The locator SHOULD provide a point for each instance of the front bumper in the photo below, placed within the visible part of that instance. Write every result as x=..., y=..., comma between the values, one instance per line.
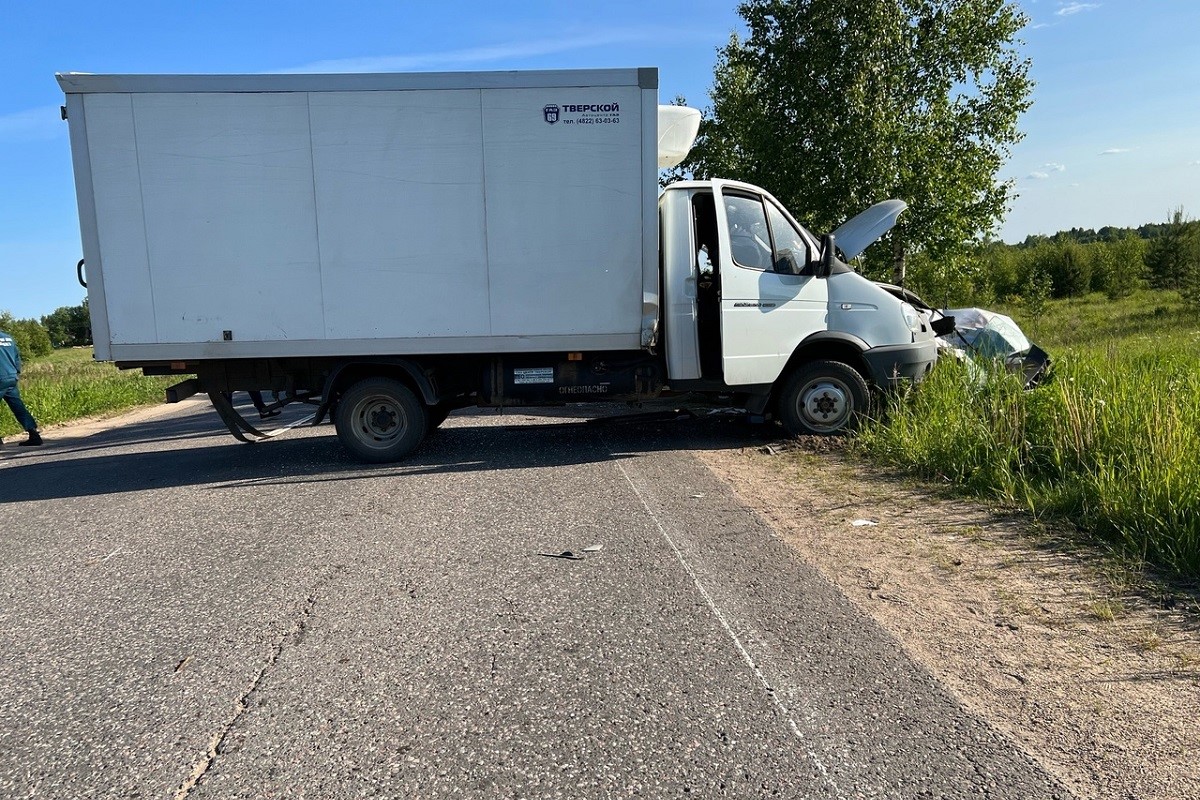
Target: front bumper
x=900, y=363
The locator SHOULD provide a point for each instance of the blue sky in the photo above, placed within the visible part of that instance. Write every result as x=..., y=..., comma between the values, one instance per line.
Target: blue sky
x=1113, y=137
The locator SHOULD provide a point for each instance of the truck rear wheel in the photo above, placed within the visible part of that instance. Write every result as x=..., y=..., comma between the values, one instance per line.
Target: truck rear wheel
x=380, y=420
x=823, y=398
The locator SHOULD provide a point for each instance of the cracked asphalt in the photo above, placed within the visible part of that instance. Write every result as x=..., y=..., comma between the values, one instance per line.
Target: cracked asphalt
x=183, y=616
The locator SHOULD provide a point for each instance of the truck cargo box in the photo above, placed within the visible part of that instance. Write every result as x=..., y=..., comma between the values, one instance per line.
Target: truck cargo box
x=250, y=216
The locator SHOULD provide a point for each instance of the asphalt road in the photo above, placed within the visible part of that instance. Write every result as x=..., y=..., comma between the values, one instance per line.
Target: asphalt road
x=183, y=616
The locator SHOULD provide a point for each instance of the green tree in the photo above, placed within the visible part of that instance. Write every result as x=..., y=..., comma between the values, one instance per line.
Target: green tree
x=31, y=338
x=1000, y=266
x=1174, y=257
x=1126, y=265
x=1101, y=256
x=69, y=326
x=1037, y=294
x=833, y=105
x=1038, y=265
x=1070, y=269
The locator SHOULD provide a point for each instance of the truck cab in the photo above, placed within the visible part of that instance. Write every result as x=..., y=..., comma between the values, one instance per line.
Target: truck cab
x=755, y=303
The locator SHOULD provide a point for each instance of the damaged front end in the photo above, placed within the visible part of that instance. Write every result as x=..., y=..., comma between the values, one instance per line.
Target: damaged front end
x=980, y=335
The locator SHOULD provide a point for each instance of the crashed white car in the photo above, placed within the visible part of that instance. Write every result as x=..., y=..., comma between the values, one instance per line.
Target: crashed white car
x=977, y=334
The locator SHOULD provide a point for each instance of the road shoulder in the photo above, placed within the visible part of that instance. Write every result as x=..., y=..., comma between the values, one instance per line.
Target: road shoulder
x=1094, y=680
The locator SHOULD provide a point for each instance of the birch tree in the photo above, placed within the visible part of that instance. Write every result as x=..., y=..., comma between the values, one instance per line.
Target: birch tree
x=834, y=105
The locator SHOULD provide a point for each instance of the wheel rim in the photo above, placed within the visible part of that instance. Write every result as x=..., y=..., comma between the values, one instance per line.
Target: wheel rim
x=378, y=421
x=825, y=405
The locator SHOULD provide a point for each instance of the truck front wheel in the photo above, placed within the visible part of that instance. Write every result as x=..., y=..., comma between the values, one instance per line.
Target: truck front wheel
x=380, y=420
x=823, y=398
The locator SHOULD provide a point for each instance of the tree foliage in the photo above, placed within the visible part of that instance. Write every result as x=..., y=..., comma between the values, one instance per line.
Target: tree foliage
x=1108, y=233
x=69, y=326
x=31, y=338
x=1173, y=258
x=1057, y=266
x=1122, y=266
x=834, y=105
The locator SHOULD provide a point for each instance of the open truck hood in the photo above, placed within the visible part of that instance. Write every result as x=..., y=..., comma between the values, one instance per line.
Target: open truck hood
x=864, y=230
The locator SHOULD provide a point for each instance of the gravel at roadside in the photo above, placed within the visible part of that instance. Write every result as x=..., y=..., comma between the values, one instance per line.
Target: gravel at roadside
x=1097, y=679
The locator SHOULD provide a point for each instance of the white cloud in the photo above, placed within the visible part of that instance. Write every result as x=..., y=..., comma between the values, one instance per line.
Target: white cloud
x=1112, y=151
x=33, y=124
x=477, y=55
x=1046, y=170
x=1067, y=9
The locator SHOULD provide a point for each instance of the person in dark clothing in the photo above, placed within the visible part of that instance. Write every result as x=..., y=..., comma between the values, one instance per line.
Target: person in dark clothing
x=10, y=371
x=263, y=411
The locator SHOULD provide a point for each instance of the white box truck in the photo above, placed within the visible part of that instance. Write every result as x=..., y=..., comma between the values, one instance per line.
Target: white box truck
x=390, y=247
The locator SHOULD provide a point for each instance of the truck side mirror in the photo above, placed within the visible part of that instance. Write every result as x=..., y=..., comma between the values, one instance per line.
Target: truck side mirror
x=825, y=266
x=788, y=264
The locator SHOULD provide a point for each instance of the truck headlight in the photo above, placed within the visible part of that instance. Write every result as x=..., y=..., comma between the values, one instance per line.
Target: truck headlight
x=911, y=318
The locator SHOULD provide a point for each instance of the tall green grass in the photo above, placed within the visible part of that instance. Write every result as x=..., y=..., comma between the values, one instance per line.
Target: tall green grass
x=68, y=385
x=1112, y=442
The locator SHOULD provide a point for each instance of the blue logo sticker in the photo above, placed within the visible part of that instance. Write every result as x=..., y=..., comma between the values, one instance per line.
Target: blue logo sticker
x=550, y=113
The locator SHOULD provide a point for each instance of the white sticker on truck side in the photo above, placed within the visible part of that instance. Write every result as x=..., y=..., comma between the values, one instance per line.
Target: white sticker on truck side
x=533, y=375
x=582, y=113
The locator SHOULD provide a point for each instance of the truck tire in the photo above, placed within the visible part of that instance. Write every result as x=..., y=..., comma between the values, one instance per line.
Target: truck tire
x=823, y=398
x=380, y=420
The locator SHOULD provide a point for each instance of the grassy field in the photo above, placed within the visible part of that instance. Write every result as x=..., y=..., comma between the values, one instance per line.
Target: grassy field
x=1112, y=442
x=68, y=384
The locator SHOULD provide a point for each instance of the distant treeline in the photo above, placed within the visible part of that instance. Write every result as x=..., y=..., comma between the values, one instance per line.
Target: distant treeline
x=1109, y=233
x=69, y=326
x=1114, y=261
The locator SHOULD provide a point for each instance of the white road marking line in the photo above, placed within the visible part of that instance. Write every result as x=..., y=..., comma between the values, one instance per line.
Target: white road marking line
x=720, y=615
